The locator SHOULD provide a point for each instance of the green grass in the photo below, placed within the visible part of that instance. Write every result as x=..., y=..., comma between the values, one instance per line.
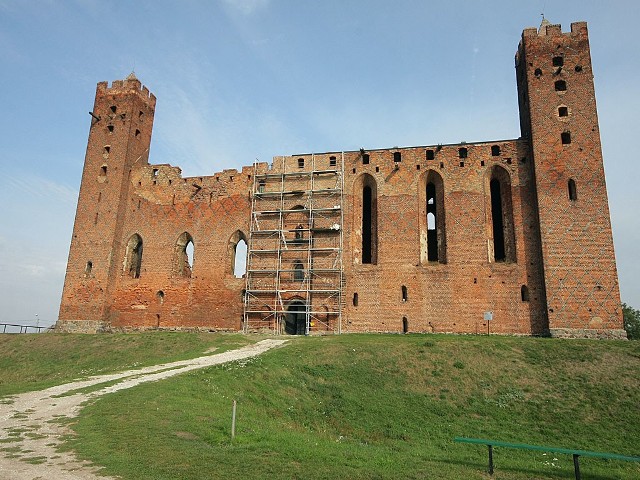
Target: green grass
x=37, y=361
x=378, y=406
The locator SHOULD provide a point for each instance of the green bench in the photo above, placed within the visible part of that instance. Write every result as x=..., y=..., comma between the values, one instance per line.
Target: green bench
x=575, y=453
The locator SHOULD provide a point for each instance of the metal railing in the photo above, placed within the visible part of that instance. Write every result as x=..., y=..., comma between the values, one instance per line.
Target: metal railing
x=23, y=328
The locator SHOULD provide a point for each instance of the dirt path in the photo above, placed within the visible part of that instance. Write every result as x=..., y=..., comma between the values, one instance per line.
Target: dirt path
x=29, y=433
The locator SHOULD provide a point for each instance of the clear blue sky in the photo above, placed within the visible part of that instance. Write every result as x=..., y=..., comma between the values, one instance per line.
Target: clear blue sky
x=238, y=80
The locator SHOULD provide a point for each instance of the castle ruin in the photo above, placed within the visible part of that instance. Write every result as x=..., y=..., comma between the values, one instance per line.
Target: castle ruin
x=507, y=236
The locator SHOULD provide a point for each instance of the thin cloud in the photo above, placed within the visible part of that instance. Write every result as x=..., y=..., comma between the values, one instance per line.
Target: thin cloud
x=247, y=7
x=41, y=187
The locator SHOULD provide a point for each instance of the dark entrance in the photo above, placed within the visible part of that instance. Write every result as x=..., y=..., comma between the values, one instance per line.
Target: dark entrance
x=295, y=319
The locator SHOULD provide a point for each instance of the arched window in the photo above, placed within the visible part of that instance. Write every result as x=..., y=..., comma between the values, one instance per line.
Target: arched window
x=240, y=261
x=433, y=243
x=404, y=293
x=184, y=255
x=573, y=193
x=133, y=256
x=87, y=269
x=369, y=209
x=504, y=245
x=298, y=271
x=238, y=253
x=405, y=325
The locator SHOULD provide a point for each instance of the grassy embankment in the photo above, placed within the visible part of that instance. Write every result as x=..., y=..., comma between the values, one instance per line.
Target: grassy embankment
x=375, y=406
x=37, y=361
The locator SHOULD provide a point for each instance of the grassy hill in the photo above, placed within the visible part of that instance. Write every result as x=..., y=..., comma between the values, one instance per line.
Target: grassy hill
x=370, y=406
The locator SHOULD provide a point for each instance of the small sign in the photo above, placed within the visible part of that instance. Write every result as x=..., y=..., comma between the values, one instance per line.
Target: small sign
x=488, y=316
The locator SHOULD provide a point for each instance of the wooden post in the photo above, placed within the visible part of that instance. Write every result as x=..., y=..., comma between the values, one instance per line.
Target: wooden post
x=233, y=421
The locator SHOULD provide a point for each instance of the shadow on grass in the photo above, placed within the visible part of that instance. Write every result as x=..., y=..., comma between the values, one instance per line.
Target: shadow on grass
x=483, y=468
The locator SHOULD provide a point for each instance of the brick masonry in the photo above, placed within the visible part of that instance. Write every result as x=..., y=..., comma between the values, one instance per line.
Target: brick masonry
x=556, y=273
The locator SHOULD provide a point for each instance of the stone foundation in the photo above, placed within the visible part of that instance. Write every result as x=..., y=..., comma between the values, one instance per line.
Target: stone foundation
x=613, y=334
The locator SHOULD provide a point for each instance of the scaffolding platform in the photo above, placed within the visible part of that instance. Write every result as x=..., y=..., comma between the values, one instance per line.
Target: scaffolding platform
x=294, y=277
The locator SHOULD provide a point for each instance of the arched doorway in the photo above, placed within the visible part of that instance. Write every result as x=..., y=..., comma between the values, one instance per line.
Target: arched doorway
x=295, y=318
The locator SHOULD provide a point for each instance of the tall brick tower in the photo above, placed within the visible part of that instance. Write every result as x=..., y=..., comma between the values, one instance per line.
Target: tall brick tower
x=119, y=139
x=558, y=115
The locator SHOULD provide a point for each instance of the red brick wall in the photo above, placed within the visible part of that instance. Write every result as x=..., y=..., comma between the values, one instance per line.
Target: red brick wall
x=156, y=203
x=560, y=250
x=451, y=296
x=579, y=263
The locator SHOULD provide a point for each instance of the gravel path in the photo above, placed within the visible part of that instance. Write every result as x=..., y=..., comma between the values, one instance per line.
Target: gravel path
x=29, y=433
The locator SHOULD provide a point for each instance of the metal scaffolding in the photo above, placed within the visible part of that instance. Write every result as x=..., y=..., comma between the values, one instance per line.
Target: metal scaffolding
x=294, y=277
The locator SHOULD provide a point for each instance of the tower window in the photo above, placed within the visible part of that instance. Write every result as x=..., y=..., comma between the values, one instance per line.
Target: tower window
x=110, y=128
x=365, y=159
x=301, y=163
x=404, y=293
x=563, y=112
x=462, y=152
x=430, y=155
x=355, y=299
x=566, y=138
x=88, y=267
x=537, y=72
x=573, y=193
x=332, y=161
x=495, y=150
x=114, y=109
x=578, y=68
x=560, y=86
x=103, y=171
x=160, y=297
x=107, y=149
x=137, y=133
x=558, y=61
x=524, y=293
x=397, y=157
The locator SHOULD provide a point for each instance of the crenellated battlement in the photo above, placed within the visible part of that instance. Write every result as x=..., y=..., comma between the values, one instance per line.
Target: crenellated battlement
x=547, y=29
x=131, y=84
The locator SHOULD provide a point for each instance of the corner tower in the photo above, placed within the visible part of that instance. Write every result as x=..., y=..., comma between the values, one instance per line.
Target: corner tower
x=119, y=140
x=558, y=116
